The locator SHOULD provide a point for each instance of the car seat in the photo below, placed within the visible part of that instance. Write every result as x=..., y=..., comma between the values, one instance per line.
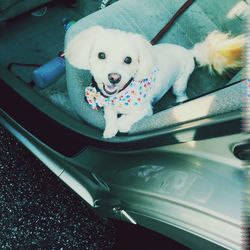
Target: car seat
x=147, y=18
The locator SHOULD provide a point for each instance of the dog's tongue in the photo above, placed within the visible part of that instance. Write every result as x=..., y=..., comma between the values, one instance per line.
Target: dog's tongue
x=111, y=87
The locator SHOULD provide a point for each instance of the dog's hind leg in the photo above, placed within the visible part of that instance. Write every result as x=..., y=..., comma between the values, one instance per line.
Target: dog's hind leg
x=180, y=86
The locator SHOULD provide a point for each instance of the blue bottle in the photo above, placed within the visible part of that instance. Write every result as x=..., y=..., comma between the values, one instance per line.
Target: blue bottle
x=49, y=72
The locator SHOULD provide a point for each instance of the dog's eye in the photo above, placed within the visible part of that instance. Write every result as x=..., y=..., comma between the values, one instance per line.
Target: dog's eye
x=128, y=60
x=101, y=55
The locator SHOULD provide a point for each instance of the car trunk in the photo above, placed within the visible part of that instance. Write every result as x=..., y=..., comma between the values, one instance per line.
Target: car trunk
x=29, y=39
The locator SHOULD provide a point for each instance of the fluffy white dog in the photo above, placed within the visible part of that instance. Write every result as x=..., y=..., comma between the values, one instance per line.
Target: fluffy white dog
x=130, y=74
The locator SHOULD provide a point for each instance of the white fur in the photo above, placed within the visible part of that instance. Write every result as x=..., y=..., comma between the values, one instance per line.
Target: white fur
x=175, y=65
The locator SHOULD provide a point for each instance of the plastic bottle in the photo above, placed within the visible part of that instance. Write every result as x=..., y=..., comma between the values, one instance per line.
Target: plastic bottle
x=49, y=72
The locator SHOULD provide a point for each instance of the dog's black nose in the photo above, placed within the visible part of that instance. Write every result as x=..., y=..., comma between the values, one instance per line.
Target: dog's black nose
x=114, y=78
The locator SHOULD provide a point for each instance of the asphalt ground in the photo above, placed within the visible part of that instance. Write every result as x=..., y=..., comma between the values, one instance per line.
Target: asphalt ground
x=38, y=211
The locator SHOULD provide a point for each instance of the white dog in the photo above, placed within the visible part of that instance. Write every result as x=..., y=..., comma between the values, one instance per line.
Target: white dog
x=130, y=74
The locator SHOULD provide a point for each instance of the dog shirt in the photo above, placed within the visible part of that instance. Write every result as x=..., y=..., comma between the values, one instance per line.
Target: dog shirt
x=131, y=96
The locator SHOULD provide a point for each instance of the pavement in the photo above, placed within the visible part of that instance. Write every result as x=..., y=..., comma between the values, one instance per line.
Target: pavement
x=38, y=211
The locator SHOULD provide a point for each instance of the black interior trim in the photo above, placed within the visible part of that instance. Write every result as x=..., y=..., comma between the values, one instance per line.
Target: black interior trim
x=242, y=151
x=69, y=143
x=47, y=130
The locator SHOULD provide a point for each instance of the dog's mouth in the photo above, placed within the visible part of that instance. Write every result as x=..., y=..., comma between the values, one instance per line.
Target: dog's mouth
x=113, y=89
x=110, y=89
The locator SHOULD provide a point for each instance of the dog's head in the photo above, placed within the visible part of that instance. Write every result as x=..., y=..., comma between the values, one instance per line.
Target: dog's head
x=114, y=57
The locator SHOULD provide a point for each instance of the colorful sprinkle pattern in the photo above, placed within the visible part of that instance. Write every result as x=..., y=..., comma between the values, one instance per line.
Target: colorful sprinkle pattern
x=131, y=96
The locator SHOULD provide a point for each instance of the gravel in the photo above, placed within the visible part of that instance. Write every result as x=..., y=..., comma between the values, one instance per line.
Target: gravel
x=38, y=211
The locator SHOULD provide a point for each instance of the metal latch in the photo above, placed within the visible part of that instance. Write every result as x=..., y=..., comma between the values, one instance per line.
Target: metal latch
x=123, y=214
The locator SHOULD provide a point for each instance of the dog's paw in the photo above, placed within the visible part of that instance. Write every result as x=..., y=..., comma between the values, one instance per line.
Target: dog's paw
x=124, y=124
x=110, y=132
x=181, y=98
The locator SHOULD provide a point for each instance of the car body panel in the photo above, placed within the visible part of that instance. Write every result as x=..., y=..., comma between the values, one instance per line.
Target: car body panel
x=194, y=187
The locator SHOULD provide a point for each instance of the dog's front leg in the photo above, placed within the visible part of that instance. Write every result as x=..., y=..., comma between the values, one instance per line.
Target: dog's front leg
x=125, y=122
x=111, y=123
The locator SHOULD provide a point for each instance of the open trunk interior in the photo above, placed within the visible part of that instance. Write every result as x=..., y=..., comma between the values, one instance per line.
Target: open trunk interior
x=29, y=39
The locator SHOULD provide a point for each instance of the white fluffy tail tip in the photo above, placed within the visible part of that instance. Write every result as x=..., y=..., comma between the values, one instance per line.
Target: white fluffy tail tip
x=220, y=52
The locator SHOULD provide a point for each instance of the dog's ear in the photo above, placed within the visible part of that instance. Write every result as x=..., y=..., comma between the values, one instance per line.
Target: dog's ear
x=146, y=61
x=79, y=48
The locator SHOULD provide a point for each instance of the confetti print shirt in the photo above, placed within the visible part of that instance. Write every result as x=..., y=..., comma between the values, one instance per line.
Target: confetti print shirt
x=132, y=96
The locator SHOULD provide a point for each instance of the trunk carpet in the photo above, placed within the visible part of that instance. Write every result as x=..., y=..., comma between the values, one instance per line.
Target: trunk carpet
x=36, y=40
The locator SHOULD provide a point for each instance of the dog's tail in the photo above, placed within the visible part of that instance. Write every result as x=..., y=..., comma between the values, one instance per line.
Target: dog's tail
x=220, y=52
